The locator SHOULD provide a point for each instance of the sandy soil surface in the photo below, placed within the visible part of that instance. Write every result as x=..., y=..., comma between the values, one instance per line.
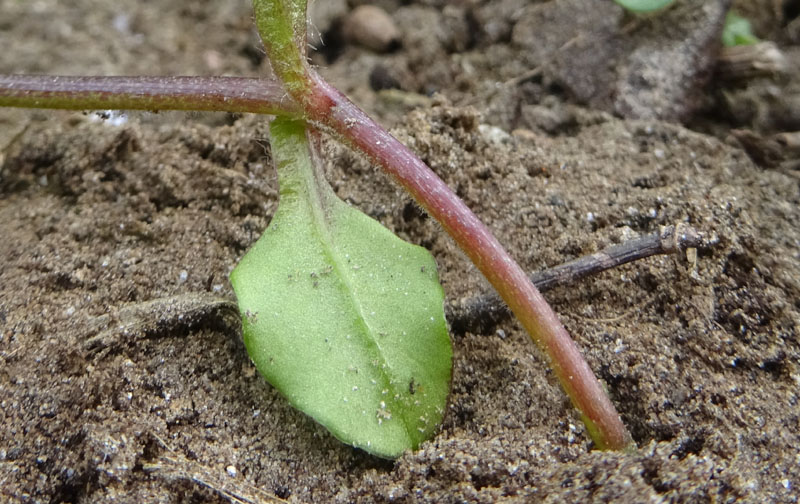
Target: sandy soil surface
x=566, y=125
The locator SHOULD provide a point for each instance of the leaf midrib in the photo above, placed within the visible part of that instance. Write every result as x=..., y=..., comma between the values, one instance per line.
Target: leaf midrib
x=323, y=201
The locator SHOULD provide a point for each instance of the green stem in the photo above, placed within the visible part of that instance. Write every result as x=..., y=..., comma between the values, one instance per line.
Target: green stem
x=281, y=24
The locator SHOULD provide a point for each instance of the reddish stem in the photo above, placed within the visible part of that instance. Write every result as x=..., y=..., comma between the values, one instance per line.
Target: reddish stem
x=330, y=108
x=228, y=94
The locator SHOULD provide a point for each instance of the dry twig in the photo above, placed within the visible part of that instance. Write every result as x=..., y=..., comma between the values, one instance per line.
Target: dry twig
x=487, y=310
x=179, y=469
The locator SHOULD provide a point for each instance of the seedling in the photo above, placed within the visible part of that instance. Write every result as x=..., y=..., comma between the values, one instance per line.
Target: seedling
x=737, y=31
x=373, y=364
x=644, y=6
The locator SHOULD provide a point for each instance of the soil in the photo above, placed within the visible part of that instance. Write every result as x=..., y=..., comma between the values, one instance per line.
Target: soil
x=124, y=377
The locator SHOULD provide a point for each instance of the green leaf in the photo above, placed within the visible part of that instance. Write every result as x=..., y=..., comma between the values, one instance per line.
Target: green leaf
x=642, y=6
x=342, y=317
x=737, y=31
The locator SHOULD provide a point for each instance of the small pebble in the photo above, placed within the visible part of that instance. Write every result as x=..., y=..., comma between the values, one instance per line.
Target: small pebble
x=122, y=23
x=493, y=134
x=371, y=27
